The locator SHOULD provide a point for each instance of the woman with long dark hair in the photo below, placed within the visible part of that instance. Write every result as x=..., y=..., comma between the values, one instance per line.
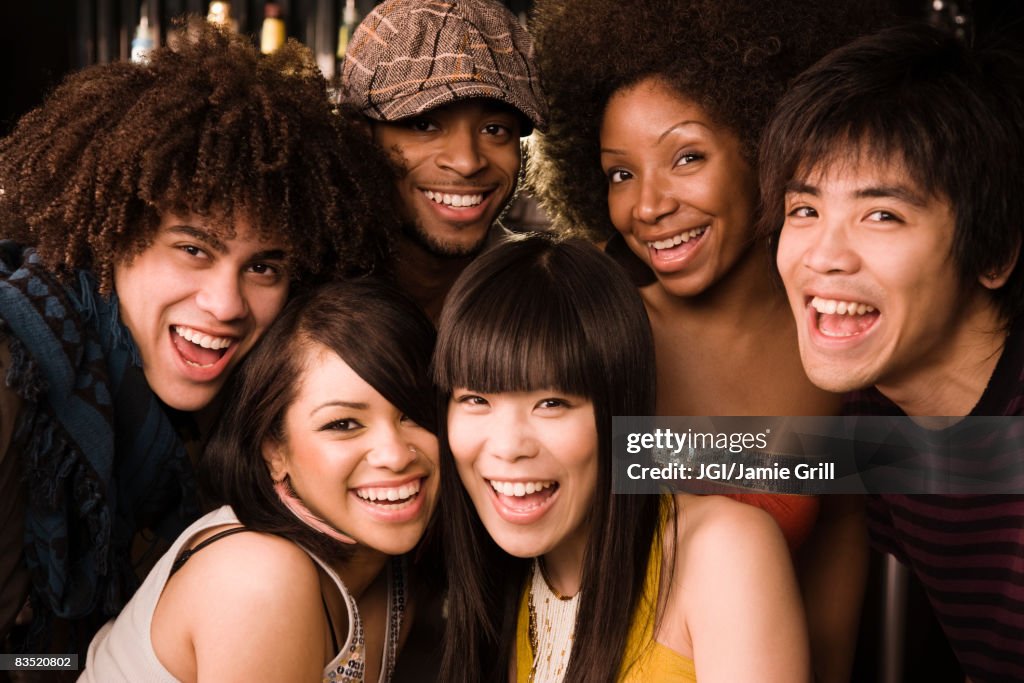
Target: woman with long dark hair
x=326, y=456
x=552, y=576
x=652, y=149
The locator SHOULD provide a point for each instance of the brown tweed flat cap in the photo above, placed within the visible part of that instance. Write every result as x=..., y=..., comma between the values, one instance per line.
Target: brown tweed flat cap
x=411, y=56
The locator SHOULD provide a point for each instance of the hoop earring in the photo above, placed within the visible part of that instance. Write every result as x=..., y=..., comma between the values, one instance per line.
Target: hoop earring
x=286, y=493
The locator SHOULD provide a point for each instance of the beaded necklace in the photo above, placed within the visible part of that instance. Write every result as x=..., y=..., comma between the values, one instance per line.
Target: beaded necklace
x=552, y=627
x=352, y=667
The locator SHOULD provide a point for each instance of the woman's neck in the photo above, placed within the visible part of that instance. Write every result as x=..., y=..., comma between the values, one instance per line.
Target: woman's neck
x=360, y=569
x=563, y=565
x=749, y=286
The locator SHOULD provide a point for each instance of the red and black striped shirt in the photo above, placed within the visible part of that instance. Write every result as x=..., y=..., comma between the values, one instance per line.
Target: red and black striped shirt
x=967, y=551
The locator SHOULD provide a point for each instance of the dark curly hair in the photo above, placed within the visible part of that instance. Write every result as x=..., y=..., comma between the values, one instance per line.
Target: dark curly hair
x=210, y=127
x=734, y=58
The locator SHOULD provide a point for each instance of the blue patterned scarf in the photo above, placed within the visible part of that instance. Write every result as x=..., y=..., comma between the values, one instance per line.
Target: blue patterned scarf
x=100, y=456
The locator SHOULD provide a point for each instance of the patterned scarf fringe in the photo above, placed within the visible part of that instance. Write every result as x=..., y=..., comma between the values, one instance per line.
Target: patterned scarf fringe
x=77, y=545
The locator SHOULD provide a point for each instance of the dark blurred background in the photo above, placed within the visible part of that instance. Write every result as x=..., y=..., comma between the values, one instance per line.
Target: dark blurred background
x=42, y=40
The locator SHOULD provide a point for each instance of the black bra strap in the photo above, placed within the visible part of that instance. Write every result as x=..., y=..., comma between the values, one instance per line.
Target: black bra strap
x=183, y=558
x=330, y=626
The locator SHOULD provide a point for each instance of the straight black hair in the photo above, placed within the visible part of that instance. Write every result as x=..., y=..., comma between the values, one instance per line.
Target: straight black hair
x=539, y=312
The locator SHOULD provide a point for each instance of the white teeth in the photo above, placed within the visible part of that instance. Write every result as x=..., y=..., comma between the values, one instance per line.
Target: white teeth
x=389, y=494
x=200, y=339
x=831, y=306
x=454, y=200
x=519, y=489
x=670, y=242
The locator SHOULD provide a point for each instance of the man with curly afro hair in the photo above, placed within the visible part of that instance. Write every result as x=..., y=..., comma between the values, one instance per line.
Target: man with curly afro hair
x=154, y=219
x=656, y=108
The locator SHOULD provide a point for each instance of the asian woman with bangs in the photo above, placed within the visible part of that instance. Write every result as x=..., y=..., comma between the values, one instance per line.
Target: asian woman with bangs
x=552, y=577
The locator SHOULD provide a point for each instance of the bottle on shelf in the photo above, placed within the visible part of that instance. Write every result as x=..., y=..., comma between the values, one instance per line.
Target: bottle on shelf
x=220, y=14
x=349, y=21
x=272, y=35
x=144, y=41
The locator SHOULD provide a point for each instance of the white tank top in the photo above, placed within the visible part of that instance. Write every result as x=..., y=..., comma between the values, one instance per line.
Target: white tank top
x=122, y=649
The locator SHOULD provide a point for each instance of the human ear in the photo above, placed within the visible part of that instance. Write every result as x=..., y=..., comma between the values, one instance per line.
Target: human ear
x=274, y=456
x=997, y=276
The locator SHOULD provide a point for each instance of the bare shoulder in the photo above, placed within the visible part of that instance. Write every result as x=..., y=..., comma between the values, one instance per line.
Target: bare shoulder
x=725, y=542
x=251, y=561
x=714, y=528
x=245, y=573
x=248, y=592
x=717, y=539
x=734, y=583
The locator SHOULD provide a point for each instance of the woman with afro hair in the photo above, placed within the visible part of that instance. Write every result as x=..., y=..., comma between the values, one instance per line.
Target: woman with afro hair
x=153, y=221
x=655, y=116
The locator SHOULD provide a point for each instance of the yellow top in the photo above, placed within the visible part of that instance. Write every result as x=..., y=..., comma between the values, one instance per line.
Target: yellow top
x=646, y=659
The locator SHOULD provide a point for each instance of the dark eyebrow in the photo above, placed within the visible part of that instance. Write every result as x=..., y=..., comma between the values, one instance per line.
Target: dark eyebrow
x=341, y=404
x=899, y=192
x=665, y=134
x=270, y=255
x=202, y=235
x=214, y=243
x=894, y=191
x=680, y=125
x=798, y=186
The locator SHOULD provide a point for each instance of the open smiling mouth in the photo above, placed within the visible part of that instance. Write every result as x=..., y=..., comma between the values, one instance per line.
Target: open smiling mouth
x=678, y=246
x=523, y=496
x=390, y=498
x=455, y=201
x=839, y=319
x=198, y=349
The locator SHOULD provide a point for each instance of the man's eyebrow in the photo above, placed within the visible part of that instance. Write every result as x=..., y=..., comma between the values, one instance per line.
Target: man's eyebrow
x=202, y=235
x=899, y=192
x=270, y=255
x=800, y=187
x=276, y=254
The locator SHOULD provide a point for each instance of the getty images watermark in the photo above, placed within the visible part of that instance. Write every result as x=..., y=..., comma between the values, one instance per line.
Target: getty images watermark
x=670, y=444
x=818, y=455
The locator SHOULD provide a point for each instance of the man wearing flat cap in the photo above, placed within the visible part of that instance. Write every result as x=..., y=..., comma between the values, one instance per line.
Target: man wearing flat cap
x=448, y=88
